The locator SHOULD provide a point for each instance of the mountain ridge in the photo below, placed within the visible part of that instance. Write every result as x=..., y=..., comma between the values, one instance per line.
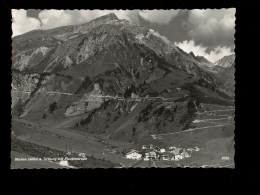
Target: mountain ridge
x=226, y=61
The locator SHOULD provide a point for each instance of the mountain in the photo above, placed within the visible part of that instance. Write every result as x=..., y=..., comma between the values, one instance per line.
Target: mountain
x=201, y=60
x=224, y=70
x=192, y=55
x=112, y=78
x=226, y=61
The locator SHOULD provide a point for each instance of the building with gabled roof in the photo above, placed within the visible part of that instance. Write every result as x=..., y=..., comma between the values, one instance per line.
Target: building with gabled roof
x=150, y=156
x=196, y=149
x=185, y=154
x=133, y=154
x=162, y=150
x=177, y=157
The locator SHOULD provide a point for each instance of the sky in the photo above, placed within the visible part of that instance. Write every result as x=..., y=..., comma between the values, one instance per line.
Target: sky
x=208, y=32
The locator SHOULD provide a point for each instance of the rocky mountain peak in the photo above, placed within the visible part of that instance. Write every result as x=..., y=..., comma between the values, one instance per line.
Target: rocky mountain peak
x=110, y=16
x=106, y=19
x=192, y=55
x=226, y=61
x=201, y=59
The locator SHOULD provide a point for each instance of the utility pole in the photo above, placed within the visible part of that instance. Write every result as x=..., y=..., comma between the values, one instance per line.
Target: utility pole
x=149, y=160
x=179, y=139
x=103, y=89
x=93, y=153
x=70, y=148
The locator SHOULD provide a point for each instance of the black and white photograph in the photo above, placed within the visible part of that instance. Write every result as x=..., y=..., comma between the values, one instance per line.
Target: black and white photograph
x=123, y=88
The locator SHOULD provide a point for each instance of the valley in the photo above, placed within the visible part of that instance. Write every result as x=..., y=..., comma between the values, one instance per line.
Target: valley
x=210, y=131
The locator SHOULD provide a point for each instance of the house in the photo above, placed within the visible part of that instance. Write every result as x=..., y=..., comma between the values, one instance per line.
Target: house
x=185, y=154
x=172, y=148
x=147, y=156
x=162, y=156
x=162, y=150
x=82, y=155
x=196, y=149
x=178, y=157
x=64, y=163
x=150, y=156
x=153, y=155
x=175, y=150
x=144, y=147
x=133, y=154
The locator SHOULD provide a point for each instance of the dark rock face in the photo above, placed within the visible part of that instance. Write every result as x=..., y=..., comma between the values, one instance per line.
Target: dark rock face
x=111, y=77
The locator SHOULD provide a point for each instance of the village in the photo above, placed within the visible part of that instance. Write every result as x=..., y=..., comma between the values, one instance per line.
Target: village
x=151, y=152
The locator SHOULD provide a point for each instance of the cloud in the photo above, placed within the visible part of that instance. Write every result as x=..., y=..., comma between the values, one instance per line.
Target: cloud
x=212, y=28
x=199, y=50
x=22, y=23
x=159, y=16
x=55, y=18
